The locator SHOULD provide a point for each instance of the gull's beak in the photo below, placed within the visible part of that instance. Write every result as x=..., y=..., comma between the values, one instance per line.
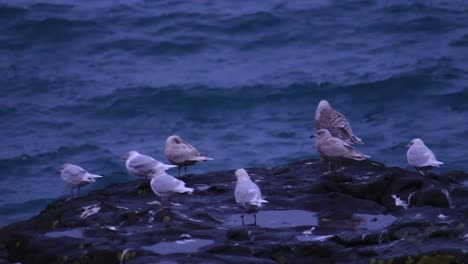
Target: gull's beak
x=312, y=136
x=407, y=146
x=125, y=157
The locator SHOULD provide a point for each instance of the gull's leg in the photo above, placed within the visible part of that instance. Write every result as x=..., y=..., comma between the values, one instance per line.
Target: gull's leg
x=329, y=165
x=179, y=170
x=242, y=217
x=161, y=206
x=164, y=204
x=255, y=219
x=71, y=192
x=78, y=193
x=185, y=170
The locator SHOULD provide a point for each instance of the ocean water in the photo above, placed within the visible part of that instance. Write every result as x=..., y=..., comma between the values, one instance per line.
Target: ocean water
x=86, y=81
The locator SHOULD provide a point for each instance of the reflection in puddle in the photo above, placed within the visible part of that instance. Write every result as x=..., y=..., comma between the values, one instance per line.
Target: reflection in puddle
x=313, y=237
x=75, y=233
x=375, y=222
x=277, y=219
x=179, y=246
x=357, y=221
x=296, y=218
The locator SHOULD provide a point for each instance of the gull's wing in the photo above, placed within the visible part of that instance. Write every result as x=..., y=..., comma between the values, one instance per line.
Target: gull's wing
x=421, y=156
x=73, y=174
x=186, y=151
x=248, y=193
x=143, y=164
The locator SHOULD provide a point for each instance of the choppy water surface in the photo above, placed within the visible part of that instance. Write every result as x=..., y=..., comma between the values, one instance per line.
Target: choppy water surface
x=84, y=82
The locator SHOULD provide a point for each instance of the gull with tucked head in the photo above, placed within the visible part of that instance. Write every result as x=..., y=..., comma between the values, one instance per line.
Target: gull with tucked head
x=333, y=148
x=420, y=156
x=181, y=153
x=76, y=176
x=143, y=165
x=335, y=122
x=248, y=194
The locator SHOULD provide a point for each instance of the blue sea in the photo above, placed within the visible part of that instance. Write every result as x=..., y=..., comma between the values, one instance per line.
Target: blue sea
x=86, y=81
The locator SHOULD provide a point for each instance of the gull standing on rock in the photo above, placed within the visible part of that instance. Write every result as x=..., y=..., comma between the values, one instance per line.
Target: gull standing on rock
x=333, y=148
x=420, y=156
x=248, y=194
x=181, y=153
x=143, y=165
x=163, y=184
x=76, y=176
x=335, y=122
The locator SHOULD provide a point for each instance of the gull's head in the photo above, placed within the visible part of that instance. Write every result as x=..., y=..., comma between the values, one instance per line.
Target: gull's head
x=322, y=133
x=242, y=174
x=415, y=142
x=324, y=104
x=174, y=139
x=130, y=154
x=321, y=106
x=63, y=167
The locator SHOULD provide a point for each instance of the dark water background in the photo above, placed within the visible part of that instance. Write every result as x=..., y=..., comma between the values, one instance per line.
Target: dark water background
x=86, y=81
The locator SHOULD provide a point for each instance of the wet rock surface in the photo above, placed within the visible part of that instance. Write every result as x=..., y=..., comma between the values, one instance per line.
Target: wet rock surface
x=350, y=216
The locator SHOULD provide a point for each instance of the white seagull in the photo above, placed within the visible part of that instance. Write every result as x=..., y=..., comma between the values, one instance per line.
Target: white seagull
x=76, y=176
x=420, y=156
x=143, y=165
x=163, y=184
x=248, y=194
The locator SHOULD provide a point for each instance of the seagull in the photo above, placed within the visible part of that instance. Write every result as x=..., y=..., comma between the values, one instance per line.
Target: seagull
x=248, y=194
x=333, y=148
x=143, y=165
x=328, y=118
x=181, y=153
x=76, y=176
x=420, y=156
x=163, y=184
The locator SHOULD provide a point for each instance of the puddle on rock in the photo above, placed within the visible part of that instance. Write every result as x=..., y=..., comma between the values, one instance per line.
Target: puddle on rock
x=179, y=246
x=297, y=218
x=75, y=233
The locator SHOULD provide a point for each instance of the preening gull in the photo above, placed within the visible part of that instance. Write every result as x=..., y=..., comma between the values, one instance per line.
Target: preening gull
x=420, y=156
x=328, y=118
x=143, y=165
x=181, y=153
x=248, y=194
x=76, y=176
x=333, y=148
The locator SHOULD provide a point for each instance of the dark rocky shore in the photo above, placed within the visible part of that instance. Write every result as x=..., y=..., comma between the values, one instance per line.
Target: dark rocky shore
x=345, y=217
